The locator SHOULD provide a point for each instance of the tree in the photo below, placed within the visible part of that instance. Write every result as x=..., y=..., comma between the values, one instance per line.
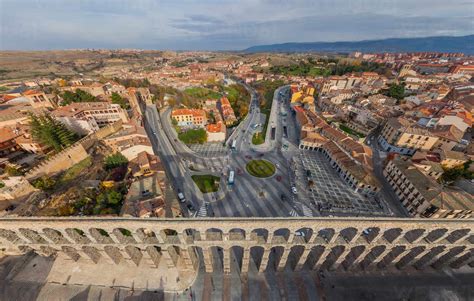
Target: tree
x=51, y=132
x=77, y=96
x=115, y=160
x=44, y=183
x=396, y=91
x=13, y=171
x=117, y=99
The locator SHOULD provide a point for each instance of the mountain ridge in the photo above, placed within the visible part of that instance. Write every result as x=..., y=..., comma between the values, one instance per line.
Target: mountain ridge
x=464, y=44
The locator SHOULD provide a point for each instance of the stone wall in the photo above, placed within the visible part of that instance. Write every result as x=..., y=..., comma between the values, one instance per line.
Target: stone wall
x=311, y=243
x=71, y=155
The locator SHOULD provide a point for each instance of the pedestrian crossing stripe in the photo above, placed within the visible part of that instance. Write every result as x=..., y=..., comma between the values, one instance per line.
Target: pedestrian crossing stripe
x=294, y=213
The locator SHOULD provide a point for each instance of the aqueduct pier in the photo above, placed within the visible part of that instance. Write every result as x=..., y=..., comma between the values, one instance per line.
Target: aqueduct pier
x=311, y=243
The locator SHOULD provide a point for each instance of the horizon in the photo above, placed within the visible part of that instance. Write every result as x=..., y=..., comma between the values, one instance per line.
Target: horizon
x=212, y=25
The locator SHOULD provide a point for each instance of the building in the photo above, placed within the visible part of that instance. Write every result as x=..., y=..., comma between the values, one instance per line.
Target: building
x=8, y=142
x=227, y=111
x=399, y=135
x=15, y=188
x=189, y=117
x=422, y=196
x=216, y=132
x=145, y=165
x=87, y=117
x=38, y=99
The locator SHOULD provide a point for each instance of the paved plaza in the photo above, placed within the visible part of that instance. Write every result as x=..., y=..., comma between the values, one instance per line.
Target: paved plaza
x=209, y=149
x=329, y=192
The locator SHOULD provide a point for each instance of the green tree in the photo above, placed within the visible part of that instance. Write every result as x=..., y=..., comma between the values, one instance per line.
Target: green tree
x=396, y=91
x=115, y=160
x=12, y=171
x=77, y=96
x=117, y=99
x=44, y=183
x=51, y=132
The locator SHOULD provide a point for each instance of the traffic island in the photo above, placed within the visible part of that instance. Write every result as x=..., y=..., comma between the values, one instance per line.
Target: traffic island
x=261, y=168
x=206, y=183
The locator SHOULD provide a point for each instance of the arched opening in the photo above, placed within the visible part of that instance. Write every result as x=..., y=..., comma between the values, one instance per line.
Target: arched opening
x=135, y=254
x=146, y=236
x=32, y=236
x=237, y=234
x=436, y=234
x=458, y=235
x=114, y=254
x=124, y=236
x=71, y=253
x=259, y=234
x=295, y=253
x=214, y=234
x=78, y=235
x=393, y=234
x=281, y=235
x=256, y=254
x=169, y=236
x=10, y=236
x=236, y=258
x=101, y=236
x=303, y=235
x=348, y=234
x=55, y=236
x=327, y=234
x=274, y=258
x=370, y=234
x=414, y=234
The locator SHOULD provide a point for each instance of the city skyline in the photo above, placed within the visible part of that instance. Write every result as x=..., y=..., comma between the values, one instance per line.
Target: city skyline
x=211, y=25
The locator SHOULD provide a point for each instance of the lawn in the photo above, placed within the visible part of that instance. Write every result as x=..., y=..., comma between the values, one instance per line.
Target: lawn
x=193, y=136
x=202, y=93
x=258, y=138
x=351, y=131
x=260, y=168
x=206, y=183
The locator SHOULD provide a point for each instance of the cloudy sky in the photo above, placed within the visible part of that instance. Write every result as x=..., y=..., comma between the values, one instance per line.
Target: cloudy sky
x=222, y=24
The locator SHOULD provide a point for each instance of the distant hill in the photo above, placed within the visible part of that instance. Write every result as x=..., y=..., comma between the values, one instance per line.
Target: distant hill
x=463, y=44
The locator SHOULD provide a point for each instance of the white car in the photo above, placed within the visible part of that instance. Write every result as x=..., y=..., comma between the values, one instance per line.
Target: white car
x=293, y=189
x=181, y=197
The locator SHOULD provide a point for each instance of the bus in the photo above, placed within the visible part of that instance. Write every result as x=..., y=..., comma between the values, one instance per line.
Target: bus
x=231, y=178
x=234, y=144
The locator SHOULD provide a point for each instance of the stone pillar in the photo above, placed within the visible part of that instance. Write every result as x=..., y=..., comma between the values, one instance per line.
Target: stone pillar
x=420, y=238
x=399, y=256
x=148, y=261
x=88, y=235
x=338, y=263
x=415, y=258
x=186, y=262
x=265, y=258
x=291, y=236
x=378, y=236
x=182, y=238
x=335, y=236
x=226, y=260
x=433, y=259
x=207, y=254
x=245, y=260
x=65, y=235
x=361, y=257
x=270, y=237
x=319, y=262
x=168, y=260
x=302, y=259
x=283, y=259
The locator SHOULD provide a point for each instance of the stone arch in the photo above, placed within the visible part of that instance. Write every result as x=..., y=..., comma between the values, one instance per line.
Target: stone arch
x=47, y=251
x=429, y=256
x=237, y=234
x=25, y=249
x=55, y=236
x=114, y=253
x=318, y=256
x=353, y=256
x=415, y=234
x=124, y=236
x=256, y=254
x=255, y=234
x=32, y=236
x=154, y=253
x=348, y=234
x=393, y=234
x=10, y=236
x=214, y=234
x=134, y=253
x=436, y=234
x=101, y=236
x=295, y=253
x=92, y=253
x=303, y=235
x=336, y=252
x=146, y=236
x=408, y=258
x=371, y=233
x=78, y=235
x=281, y=235
x=458, y=235
x=71, y=252
x=274, y=257
x=375, y=255
x=236, y=254
x=192, y=234
x=327, y=234
x=443, y=260
x=392, y=254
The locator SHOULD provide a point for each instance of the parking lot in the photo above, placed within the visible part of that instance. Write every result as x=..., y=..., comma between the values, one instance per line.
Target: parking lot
x=210, y=149
x=325, y=190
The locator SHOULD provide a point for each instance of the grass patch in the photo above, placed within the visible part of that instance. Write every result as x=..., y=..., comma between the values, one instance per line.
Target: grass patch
x=260, y=168
x=193, y=136
x=351, y=131
x=206, y=183
x=202, y=93
x=75, y=170
x=258, y=138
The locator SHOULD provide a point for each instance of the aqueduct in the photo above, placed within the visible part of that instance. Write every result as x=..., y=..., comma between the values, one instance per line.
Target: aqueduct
x=312, y=243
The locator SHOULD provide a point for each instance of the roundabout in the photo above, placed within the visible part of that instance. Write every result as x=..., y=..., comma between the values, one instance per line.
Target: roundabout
x=260, y=168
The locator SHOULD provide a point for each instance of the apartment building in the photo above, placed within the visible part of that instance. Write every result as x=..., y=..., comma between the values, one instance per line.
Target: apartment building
x=422, y=196
x=227, y=111
x=87, y=117
x=38, y=99
x=190, y=117
x=402, y=136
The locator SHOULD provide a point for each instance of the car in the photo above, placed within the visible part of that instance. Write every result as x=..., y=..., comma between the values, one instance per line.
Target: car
x=190, y=207
x=261, y=155
x=300, y=233
x=278, y=178
x=283, y=197
x=293, y=189
x=181, y=197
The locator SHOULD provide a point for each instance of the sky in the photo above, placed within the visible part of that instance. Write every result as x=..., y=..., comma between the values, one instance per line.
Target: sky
x=222, y=24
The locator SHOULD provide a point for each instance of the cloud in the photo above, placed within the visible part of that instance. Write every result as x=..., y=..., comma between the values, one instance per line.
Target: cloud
x=221, y=24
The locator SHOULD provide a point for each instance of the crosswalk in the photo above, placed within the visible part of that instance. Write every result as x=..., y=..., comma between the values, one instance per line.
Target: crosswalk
x=306, y=211
x=293, y=213
x=202, y=212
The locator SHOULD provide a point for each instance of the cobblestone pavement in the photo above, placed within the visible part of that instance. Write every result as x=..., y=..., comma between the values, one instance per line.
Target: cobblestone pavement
x=210, y=149
x=328, y=191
